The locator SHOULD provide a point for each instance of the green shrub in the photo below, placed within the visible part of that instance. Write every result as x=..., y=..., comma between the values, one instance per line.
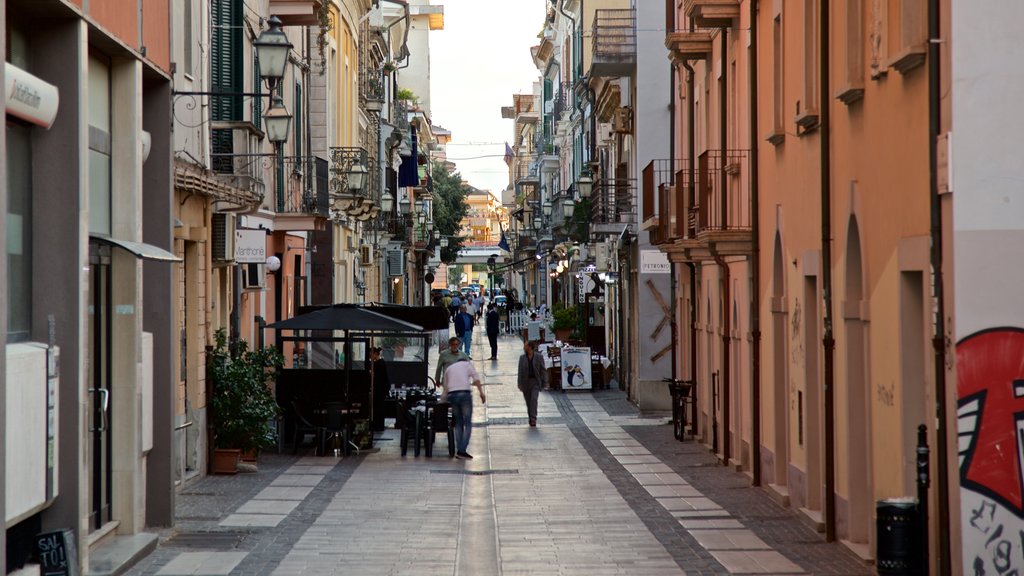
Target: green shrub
x=243, y=403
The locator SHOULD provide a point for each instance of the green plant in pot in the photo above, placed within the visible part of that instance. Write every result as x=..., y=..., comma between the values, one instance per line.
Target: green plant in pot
x=564, y=322
x=243, y=403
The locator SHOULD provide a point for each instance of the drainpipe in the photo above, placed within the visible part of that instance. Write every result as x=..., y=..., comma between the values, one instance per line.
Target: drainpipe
x=673, y=280
x=723, y=138
x=828, y=341
x=939, y=339
x=691, y=138
x=755, y=260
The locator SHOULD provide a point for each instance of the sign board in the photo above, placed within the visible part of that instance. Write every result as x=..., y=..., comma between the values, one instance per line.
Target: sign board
x=576, y=369
x=57, y=553
x=250, y=246
x=30, y=98
x=654, y=262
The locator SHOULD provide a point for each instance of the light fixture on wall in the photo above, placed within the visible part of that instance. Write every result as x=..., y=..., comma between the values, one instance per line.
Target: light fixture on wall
x=273, y=263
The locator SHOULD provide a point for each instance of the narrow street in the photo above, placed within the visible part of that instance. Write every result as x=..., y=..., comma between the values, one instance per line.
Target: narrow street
x=595, y=489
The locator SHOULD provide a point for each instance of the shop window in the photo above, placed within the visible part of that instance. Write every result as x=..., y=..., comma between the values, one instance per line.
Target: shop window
x=18, y=231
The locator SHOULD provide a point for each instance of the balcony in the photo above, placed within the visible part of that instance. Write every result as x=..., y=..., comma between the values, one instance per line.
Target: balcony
x=614, y=43
x=296, y=12
x=722, y=215
x=562, y=100
x=687, y=45
x=303, y=201
x=612, y=206
x=712, y=13
x=361, y=203
x=234, y=149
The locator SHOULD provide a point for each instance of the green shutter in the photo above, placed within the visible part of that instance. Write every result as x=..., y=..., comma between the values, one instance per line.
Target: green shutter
x=257, y=103
x=226, y=74
x=297, y=123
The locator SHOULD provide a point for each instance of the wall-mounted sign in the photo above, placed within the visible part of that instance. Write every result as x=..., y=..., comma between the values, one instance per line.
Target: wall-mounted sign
x=576, y=369
x=250, y=246
x=30, y=98
x=654, y=262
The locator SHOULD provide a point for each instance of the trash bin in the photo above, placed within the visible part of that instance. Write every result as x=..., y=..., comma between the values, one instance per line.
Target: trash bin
x=897, y=522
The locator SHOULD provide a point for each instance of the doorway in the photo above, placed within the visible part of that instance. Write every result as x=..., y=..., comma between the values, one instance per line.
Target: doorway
x=858, y=464
x=780, y=359
x=100, y=445
x=812, y=388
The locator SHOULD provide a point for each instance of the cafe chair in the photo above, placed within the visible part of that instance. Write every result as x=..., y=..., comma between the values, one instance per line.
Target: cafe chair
x=440, y=422
x=304, y=427
x=336, y=428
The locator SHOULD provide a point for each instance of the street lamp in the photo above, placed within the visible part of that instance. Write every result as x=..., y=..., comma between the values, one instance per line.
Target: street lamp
x=387, y=202
x=272, y=49
x=537, y=223
x=567, y=206
x=585, y=184
x=357, y=177
x=546, y=208
x=404, y=205
x=278, y=121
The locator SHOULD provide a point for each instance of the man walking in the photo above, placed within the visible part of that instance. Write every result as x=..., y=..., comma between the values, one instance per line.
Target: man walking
x=449, y=356
x=492, y=330
x=458, y=381
x=464, y=329
x=532, y=376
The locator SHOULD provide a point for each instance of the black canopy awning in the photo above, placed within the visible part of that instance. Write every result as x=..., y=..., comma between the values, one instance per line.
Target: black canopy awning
x=346, y=317
x=429, y=317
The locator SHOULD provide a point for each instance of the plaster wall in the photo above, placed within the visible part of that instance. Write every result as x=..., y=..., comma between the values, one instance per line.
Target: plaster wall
x=652, y=122
x=987, y=234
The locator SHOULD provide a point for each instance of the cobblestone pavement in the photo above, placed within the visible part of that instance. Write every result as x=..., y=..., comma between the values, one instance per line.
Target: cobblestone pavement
x=595, y=489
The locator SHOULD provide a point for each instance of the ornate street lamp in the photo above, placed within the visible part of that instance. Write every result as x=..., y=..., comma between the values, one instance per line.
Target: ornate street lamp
x=546, y=208
x=404, y=205
x=272, y=48
x=357, y=177
x=585, y=184
x=387, y=202
x=278, y=121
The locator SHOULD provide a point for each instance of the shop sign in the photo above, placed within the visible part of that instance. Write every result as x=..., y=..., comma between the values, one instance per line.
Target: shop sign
x=250, y=246
x=654, y=262
x=30, y=98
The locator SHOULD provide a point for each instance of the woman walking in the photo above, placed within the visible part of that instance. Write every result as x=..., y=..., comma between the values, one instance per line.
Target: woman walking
x=532, y=377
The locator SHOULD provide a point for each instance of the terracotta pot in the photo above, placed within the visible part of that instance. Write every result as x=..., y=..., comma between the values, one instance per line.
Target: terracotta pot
x=225, y=461
x=250, y=455
x=563, y=333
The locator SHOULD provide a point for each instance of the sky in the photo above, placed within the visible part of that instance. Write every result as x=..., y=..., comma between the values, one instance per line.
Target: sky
x=480, y=59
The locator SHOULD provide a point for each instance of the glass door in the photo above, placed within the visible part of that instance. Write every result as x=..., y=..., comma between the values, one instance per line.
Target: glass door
x=99, y=446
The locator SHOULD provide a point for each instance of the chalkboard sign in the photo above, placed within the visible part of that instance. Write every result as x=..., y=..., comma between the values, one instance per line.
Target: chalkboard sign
x=57, y=553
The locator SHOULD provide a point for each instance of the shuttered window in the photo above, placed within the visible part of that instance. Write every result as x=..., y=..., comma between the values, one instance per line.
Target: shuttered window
x=226, y=75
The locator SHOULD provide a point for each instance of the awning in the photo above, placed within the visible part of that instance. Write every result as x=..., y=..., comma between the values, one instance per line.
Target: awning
x=345, y=317
x=140, y=249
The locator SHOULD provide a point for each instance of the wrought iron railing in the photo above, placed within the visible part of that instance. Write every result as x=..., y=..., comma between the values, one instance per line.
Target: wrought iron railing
x=723, y=192
x=666, y=185
x=612, y=201
x=400, y=118
x=562, y=100
x=300, y=191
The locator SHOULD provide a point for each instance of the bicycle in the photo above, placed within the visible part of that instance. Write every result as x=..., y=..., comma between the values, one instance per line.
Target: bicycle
x=680, y=391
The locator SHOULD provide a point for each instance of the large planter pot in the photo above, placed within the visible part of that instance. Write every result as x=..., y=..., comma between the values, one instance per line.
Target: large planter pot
x=563, y=333
x=225, y=461
x=250, y=455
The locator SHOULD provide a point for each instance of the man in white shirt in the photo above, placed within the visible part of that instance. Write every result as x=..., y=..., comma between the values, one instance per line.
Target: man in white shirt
x=459, y=378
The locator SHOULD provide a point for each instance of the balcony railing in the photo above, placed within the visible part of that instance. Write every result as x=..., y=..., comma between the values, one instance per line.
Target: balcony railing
x=562, y=100
x=723, y=192
x=400, y=119
x=612, y=205
x=305, y=187
x=235, y=148
x=614, y=43
x=664, y=183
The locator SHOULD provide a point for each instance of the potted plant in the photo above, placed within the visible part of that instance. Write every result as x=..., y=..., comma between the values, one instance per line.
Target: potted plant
x=243, y=404
x=389, y=66
x=564, y=321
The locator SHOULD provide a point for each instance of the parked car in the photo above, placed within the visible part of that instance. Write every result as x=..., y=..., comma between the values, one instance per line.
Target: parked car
x=501, y=302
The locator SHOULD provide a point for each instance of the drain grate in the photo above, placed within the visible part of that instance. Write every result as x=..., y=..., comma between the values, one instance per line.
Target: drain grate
x=476, y=472
x=207, y=540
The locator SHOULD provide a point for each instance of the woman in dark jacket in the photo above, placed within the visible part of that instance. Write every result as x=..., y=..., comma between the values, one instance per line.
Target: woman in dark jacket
x=532, y=376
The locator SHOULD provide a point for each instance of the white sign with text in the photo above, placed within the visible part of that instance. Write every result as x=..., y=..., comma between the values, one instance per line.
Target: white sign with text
x=654, y=262
x=250, y=246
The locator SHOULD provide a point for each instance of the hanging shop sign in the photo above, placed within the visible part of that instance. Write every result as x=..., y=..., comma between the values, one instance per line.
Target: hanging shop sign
x=654, y=262
x=250, y=246
x=30, y=98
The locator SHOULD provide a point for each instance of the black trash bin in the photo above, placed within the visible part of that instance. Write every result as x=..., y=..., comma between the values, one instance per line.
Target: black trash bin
x=899, y=549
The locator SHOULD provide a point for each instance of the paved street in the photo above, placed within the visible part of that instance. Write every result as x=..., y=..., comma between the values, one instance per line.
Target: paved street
x=595, y=489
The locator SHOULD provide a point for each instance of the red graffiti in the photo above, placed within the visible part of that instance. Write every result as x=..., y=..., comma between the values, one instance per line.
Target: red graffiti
x=990, y=383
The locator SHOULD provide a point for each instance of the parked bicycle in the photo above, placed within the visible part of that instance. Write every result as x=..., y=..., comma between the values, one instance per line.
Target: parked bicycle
x=680, y=390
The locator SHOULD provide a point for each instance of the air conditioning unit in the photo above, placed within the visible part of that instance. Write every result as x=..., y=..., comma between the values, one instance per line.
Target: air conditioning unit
x=253, y=277
x=396, y=263
x=622, y=120
x=350, y=243
x=366, y=255
x=223, y=237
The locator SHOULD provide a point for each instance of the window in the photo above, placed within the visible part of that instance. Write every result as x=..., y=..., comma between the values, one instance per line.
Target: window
x=226, y=74
x=18, y=227
x=99, y=146
x=852, y=89
x=778, y=131
x=807, y=108
x=187, y=42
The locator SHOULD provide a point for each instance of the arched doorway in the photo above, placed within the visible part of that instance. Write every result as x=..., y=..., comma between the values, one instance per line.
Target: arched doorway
x=858, y=463
x=780, y=381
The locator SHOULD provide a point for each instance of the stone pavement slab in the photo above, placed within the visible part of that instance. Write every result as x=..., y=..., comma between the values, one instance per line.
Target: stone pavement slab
x=202, y=564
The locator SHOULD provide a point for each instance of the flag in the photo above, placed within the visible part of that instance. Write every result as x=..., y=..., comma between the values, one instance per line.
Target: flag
x=503, y=243
x=509, y=155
